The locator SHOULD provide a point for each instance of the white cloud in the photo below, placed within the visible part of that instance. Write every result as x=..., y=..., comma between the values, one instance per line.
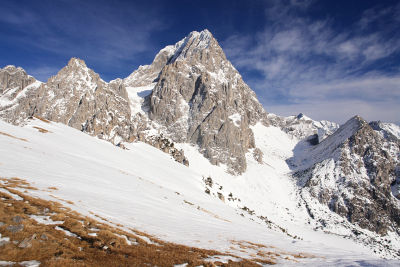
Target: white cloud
x=105, y=34
x=367, y=88
x=342, y=110
x=310, y=64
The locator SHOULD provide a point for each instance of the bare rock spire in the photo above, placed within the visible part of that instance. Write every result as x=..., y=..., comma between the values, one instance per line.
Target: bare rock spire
x=201, y=98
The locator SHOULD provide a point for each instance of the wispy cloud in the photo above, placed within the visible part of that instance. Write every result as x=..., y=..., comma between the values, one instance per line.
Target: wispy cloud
x=340, y=111
x=305, y=63
x=103, y=32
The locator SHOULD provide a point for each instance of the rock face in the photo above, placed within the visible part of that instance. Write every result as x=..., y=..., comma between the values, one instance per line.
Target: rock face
x=78, y=97
x=353, y=171
x=200, y=98
x=13, y=80
x=16, y=85
x=148, y=74
x=391, y=134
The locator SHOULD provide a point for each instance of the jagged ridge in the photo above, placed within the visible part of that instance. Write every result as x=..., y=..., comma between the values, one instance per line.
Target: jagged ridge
x=352, y=172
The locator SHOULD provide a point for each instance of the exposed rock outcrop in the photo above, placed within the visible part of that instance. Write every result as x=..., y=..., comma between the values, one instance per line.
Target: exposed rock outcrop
x=13, y=80
x=16, y=90
x=165, y=145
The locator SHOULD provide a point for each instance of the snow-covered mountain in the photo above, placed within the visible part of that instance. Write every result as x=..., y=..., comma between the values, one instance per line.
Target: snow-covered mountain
x=291, y=176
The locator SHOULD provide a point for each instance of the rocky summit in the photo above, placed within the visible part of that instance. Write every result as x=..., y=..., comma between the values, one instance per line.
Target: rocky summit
x=346, y=177
x=200, y=98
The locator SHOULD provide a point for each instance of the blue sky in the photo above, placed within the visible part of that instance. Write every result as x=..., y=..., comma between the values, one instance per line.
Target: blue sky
x=327, y=59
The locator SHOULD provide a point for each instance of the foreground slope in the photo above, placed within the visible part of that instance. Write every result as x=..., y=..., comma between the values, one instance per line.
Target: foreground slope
x=145, y=189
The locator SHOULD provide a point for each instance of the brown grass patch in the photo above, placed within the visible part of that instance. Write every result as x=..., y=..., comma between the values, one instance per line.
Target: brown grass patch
x=64, y=200
x=16, y=182
x=42, y=119
x=212, y=214
x=12, y=136
x=109, y=247
x=270, y=253
x=52, y=188
x=41, y=129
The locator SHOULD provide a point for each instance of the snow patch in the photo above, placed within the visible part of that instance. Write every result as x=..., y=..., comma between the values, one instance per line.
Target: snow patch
x=44, y=219
x=136, y=97
x=236, y=119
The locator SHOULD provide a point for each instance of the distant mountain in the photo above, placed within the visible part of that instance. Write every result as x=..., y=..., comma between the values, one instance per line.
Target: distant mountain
x=355, y=172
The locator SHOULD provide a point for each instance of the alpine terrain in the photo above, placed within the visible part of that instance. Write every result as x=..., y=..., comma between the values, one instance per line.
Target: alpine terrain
x=182, y=152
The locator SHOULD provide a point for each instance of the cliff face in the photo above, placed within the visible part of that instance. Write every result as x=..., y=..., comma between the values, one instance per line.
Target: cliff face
x=13, y=80
x=15, y=87
x=200, y=98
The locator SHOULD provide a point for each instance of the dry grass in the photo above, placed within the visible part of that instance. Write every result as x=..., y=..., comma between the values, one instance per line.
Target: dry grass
x=41, y=129
x=66, y=201
x=12, y=136
x=109, y=247
x=16, y=182
x=269, y=253
x=42, y=119
x=52, y=188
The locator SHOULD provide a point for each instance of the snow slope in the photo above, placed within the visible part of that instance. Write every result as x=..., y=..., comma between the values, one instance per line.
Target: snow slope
x=136, y=97
x=146, y=189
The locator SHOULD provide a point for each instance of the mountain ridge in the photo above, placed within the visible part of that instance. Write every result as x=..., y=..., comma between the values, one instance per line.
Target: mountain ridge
x=209, y=106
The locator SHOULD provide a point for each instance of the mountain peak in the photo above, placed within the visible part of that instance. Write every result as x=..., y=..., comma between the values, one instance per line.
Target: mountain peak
x=75, y=70
x=201, y=98
x=355, y=123
x=352, y=126
x=195, y=44
x=13, y=69
x=189, y=48
x=205, y=35
x=76, y=62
